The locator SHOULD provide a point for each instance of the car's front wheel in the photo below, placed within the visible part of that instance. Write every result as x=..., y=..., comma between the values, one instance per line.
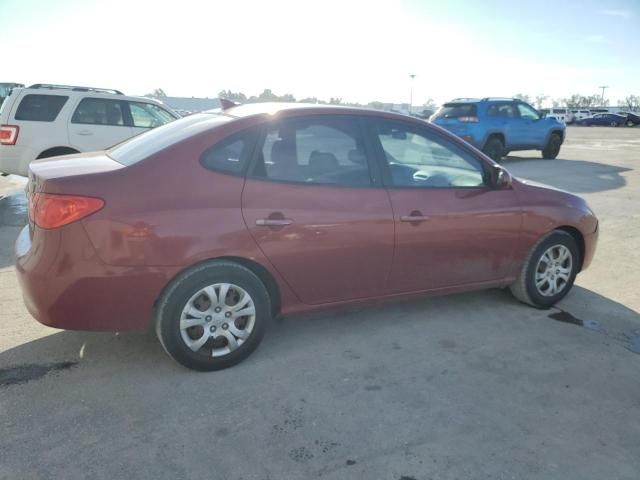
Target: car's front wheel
x=630, y=123
x=552, y=148
x=615, y=124
x=549, y=271
x=494, y=149
x=213, y=316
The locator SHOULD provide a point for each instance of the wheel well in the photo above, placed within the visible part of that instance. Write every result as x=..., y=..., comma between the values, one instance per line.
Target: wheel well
x=577, y=236
x=499, y=136
x=57, y=151
x=557, y=132
x=265, y=277
x=262, y=273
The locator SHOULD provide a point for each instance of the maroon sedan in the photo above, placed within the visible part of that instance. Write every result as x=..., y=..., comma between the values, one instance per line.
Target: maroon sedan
x=209, y=226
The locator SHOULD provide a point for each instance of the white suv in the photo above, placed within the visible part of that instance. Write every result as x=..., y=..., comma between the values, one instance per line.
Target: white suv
x=43, y=121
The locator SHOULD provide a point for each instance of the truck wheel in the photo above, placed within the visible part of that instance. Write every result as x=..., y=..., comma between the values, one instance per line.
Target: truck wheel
x=494, y=149
x=552, y=149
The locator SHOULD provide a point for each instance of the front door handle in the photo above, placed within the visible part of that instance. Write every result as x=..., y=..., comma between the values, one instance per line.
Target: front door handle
x=273, y=222
x=414, y=217
x=85, y=132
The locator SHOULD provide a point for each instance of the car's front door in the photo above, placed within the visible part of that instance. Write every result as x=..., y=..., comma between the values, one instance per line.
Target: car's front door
x=145, y=116
x=533, y=130
x=98, y=123
x=311, y=202
x=452, y=227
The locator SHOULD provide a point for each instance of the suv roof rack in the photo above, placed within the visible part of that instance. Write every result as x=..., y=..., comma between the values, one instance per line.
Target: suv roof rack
x=464, y=99
x=75, y=88
x=499, y=99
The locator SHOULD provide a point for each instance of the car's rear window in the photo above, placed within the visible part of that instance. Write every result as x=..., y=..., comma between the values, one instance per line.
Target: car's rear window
x=457, y=110
x=40, y=108
x=148, y=143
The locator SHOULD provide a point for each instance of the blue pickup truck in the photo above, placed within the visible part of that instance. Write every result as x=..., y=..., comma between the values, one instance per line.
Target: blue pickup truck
x=498, y=126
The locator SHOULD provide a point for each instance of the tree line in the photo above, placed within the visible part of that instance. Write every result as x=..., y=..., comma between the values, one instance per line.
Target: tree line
x=576, y=100
x=631, y=102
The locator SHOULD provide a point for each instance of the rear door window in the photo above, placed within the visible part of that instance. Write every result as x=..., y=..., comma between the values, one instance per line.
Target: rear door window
x=503, y=110
x=320, y=150
x=457, y=110
x=99, y=111
x=40, y=108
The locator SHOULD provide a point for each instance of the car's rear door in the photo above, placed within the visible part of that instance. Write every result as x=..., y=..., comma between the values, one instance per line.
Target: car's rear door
x=313, y=205
x=452, y=228
x=98, y=123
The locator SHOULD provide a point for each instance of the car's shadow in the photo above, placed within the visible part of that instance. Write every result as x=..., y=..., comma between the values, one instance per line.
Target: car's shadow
x=577, y=176
x=335, y=332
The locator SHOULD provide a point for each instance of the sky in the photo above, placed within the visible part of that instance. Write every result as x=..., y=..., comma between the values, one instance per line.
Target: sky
x=359, y=51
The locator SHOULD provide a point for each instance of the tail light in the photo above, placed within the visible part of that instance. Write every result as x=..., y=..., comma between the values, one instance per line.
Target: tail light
x=469, y=119
x=52, y=211
x=9, y=134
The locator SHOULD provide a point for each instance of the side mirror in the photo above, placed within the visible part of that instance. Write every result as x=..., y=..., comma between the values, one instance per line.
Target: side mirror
x=500, y=178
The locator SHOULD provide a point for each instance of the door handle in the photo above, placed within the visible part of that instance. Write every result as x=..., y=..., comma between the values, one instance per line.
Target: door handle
x=414, y=218
x=85, y=132
x=273, y=222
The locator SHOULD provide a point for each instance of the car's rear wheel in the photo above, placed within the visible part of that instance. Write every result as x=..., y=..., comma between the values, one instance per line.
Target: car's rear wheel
x=549, y=271
x=494, y=149
x=630, y=123
x=213, y=316
x=552, y=148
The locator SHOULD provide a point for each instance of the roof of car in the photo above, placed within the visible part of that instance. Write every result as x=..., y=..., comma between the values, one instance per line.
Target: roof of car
x=272, y=108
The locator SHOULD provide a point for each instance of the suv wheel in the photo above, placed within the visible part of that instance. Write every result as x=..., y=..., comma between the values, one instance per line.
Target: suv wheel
x=552, y=148
x=494, y=149
x=549, y=271
x=213, y=316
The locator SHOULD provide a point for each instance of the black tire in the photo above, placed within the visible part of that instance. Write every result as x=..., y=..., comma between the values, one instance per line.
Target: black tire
x=181, y=290
x=494, y=149
x=630, y=123
x=552, y=148
x=615, y=124
x=524, y=288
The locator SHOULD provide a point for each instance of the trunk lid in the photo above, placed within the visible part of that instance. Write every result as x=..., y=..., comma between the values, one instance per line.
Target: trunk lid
x=77, y=174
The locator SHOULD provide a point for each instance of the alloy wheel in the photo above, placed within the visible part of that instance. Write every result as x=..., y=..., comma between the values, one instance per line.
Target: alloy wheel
x=554, y=270
x=217, y=319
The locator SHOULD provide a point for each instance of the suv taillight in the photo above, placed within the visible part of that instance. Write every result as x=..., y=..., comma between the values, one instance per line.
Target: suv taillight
x=52, y=211
x=469, y=119
x=9, y=134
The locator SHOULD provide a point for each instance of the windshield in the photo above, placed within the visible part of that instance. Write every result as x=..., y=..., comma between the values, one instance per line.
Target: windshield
x=146, y=144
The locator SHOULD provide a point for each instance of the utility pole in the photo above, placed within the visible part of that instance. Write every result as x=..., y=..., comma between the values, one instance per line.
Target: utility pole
x=603, y=87
x=412, y=75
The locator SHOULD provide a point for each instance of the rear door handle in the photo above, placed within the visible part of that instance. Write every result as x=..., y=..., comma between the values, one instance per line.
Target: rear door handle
x=273, y=222
x=414, y=218
x=85, y=132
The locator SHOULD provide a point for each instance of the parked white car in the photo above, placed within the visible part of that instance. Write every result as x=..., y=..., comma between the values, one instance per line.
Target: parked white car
x=576, y=115
x=560, y=114
x=44, y=120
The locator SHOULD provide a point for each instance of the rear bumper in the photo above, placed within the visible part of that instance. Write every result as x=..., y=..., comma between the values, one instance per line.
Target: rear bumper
x=65, y=285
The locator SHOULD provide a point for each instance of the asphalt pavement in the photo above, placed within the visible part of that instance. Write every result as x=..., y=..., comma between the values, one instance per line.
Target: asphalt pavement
x=469, y=386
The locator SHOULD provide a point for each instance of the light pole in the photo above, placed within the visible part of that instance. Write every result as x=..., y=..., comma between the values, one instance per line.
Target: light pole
x=603, y=87
x=412, y=75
